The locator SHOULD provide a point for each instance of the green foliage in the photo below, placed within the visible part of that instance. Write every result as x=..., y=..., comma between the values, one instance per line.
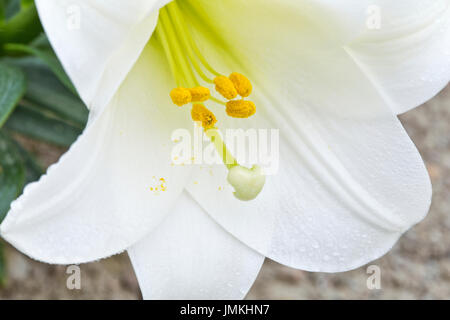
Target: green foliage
x=46, y=56
x=12, y=88
x=12, y=173
x=9, y=8
x=39, y=126
x=47, y=93
x=37, y=100
x=22, y=27
x=33, y=169
x=2, y=265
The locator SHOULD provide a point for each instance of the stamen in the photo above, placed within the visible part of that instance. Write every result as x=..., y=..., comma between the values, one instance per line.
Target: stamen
x=225, y=87
x=242, y=84
x=185, y=61
x=199, y=94
x=186, y=39
x=200, y=113
x=162, y=37
x=181, y=96
x=240, y=108
x=177, y=11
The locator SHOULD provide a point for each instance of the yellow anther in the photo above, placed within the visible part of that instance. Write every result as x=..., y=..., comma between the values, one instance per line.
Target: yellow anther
x=181, y=96
x=225, y=87
x=242, y=84
x=200, y=113
x=240, y=108
x=199, y=94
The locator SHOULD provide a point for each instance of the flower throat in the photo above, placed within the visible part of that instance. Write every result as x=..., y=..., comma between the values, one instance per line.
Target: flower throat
x=186, y=63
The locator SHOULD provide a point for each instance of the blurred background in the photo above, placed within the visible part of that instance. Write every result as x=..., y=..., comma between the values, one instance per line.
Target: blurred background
x=41, y=115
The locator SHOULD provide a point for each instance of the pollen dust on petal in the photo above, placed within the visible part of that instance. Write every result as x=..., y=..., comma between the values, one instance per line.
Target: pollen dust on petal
x=158, y=185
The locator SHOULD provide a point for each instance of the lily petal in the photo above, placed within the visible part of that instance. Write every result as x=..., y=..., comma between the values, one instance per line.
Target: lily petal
x=350, y=181
x=98, y=41
x=189, y=256
x=105, y=193
x=408, y=57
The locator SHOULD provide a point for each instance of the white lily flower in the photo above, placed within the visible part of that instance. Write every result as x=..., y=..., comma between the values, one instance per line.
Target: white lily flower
x=350, y=181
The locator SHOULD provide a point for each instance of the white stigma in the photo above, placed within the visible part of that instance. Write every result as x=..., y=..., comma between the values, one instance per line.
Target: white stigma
x=247, y=183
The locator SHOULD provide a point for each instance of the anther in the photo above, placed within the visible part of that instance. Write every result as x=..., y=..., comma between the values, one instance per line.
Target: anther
x=200, y=113
x=225, y=87
x=181, y=96
x=199, y=94
x=240, y=108
x=241, y=83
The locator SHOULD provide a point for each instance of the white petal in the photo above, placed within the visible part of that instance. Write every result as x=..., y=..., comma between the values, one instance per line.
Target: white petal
x=189, y=256
x=350, y=180
x=98, y=41
x=408, y=58
x=97, y=200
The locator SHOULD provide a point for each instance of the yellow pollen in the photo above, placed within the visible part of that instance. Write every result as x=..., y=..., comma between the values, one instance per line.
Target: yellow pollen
x=225, y=87
x=200, y=113
x=240, y=108
x=242, y=84
x=199, y=94
x=181, y=96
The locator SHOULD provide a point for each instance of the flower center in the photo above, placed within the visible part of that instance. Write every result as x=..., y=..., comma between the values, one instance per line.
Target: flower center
x=186, y=63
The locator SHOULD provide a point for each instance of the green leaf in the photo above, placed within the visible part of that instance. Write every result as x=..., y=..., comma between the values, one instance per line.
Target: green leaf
x=12, y=173
x=12, y=88
x=26, y=3
x=2, y=265
x=49, y=58
x=44, y=89
x=41, y=42
x=46, y=92
x=2, y=10
x=42, y=127
x=22, y=27
x=11, y=8
x=33, y=170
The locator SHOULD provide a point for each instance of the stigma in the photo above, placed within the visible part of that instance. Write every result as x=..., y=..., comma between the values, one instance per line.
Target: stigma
x=247, y=183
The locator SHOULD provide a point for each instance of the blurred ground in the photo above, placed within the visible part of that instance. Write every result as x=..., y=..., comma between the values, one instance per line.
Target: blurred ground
x=417, y=268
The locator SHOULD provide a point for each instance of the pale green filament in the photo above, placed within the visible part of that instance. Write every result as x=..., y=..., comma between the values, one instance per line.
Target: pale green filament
x=218, y=101
x=183, y=63
x=174, y=6
x=228, y=160
x=186, y=39
x=161, y=34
